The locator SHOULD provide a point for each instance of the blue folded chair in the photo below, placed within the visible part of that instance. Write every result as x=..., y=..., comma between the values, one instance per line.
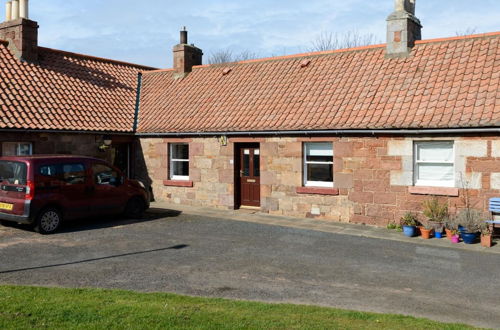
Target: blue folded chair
x=495, y=212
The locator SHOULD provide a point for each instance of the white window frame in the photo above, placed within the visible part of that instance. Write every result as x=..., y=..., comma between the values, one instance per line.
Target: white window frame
x=416, y=162
x=322, y=184
x=172, y=160
x=18, y=147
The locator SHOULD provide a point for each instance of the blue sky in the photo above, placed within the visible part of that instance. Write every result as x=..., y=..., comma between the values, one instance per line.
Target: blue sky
x=144, y=31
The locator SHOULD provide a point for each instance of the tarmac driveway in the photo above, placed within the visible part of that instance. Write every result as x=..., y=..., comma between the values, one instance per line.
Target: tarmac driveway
x=196, y=255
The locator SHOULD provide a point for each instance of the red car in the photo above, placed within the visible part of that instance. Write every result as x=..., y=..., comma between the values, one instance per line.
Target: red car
x=45, y=190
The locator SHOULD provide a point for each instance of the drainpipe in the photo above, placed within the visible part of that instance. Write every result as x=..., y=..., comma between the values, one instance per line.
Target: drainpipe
x=137, y=102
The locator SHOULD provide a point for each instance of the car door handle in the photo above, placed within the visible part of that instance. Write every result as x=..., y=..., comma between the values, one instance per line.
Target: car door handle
x=89, y=189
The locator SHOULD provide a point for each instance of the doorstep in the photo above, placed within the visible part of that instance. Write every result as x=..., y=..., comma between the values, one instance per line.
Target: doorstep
x=320, y=225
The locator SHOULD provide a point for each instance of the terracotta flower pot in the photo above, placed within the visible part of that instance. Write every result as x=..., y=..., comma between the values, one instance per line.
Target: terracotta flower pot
x=426, y=233
x=486, y=240
x=449, y=233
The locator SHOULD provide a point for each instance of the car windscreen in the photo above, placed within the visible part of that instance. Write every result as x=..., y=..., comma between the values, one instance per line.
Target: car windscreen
x=13, y=172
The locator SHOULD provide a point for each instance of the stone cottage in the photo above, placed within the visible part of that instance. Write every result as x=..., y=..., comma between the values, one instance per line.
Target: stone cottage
x=355, y=135
x=53, y=101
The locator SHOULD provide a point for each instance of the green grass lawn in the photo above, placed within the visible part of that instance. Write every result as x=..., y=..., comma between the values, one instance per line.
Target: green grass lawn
x=28, y=307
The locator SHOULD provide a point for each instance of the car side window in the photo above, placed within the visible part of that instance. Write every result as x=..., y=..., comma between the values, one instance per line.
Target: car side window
x=73, y=173
x=49, y=170
x=105, y=175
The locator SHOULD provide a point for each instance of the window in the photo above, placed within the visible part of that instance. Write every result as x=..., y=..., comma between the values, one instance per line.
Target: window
x=105, y=175
x=49, y=170
x=73, y=173
x=17, y=149
x=434, y=164
x=318, y=164
x=179, y=161
x=13, y=172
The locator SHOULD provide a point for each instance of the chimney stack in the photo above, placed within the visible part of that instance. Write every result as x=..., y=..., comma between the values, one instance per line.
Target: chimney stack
x=186, y=56
x=20, y=31
x=403, y=29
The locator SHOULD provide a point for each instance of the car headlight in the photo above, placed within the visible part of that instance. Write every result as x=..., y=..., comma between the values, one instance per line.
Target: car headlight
x=142, y=185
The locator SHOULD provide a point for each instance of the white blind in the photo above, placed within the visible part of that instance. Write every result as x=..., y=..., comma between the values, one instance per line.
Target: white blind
x=319, y=149
x=435, y=151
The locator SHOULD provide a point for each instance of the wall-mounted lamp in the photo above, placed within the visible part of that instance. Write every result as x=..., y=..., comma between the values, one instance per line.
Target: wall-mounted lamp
x=106, y=143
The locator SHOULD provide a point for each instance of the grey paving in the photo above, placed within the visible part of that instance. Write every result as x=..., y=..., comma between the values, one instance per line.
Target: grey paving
x=204, y=255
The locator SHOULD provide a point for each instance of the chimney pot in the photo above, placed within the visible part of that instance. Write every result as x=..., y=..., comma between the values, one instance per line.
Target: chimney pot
x=15, y=9
x=184, y=36
x=23, y=9
x=8, y=11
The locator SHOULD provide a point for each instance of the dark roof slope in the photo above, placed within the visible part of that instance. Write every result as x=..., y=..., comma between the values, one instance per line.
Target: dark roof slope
x=67, y=91
x=446, y=83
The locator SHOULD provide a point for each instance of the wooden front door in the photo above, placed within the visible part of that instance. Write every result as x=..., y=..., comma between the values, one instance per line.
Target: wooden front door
x=249, y=176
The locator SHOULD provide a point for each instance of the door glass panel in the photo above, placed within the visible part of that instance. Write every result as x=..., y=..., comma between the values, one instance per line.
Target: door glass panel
x=256, y=164
x=246, y=164
x=246, y=151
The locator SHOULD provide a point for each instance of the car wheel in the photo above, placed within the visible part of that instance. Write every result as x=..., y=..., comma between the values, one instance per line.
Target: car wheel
x=48, y=221
x=135, y=208
x=6, y=223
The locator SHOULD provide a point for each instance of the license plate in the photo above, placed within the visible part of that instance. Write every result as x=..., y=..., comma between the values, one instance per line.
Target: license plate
x=6, y=206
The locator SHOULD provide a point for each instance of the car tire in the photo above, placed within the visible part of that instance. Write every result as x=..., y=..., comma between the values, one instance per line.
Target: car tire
x=135, y=208
x=6, y=223
x=48, y=221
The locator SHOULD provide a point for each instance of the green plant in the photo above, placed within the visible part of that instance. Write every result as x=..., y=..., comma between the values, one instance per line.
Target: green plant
x=485, y=229
x=472, y=220
x=435, y=211
x=392, y=226
x=409, y=219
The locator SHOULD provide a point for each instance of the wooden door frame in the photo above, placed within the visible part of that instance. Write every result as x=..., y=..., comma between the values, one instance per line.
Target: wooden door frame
x=237, y=168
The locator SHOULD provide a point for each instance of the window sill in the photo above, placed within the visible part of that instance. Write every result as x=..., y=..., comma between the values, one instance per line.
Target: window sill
x=437, y=191
x=317, y=191
x=178, y=183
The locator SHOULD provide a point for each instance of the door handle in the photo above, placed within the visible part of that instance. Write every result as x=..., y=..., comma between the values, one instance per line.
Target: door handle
x=89, y=189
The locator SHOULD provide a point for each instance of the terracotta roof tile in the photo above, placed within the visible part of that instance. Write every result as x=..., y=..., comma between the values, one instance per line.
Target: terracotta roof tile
x=67, y=91
x=445, y=83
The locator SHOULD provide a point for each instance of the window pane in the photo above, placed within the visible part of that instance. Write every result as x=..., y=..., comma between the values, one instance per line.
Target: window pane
x=180, y=151
x=48, y=170
x=320, y=172
x=13, y=172
x=74, y=173
x=435, y=172
x=104, y=175
x=256, y=164
x=180, y=168
x=24, y=149
x=319, y=149
x=435, y=151
x=246, y=164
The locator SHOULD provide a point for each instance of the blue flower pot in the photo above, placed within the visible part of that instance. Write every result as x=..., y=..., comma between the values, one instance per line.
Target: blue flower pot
x=409, y=230
x=469, y=238
x=438, y=234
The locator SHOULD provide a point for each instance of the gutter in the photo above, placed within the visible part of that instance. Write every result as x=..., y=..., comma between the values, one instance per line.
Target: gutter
x=334, y=132
x=137, y=101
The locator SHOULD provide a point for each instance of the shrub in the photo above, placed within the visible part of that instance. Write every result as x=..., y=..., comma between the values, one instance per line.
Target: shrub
x=435, y=211
x=409, y=219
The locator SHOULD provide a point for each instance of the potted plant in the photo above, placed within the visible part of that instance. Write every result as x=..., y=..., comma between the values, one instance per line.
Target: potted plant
x=450, y=227
x=409, y=223
x=485, y=235
x=471, y=221
x=426, y=230
x=437, y=214
x=455, y=238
